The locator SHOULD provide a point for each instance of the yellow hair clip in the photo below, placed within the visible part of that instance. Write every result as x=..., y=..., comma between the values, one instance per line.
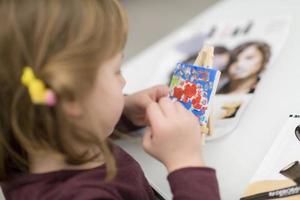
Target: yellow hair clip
x=38, y=92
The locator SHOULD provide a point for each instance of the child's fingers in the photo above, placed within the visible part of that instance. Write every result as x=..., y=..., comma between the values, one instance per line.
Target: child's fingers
x=147, y=140
x=184, y=112
x=180, y=108
x=159, y=92
x=167, y=106
x=154, y=114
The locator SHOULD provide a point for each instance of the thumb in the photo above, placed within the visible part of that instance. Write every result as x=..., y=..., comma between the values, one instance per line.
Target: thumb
x=159, y=92
x=147, y=140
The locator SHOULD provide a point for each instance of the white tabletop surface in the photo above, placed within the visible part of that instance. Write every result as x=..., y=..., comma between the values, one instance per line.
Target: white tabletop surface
x=237, y=155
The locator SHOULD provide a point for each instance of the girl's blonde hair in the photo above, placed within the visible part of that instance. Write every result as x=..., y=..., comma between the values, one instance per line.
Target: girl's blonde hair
x=64, y=41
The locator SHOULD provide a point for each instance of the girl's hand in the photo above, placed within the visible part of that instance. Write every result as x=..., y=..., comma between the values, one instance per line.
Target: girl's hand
x=174, y=135
x=136, y=104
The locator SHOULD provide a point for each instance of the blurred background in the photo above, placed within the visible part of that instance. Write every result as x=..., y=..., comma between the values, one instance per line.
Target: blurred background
x=151, y=20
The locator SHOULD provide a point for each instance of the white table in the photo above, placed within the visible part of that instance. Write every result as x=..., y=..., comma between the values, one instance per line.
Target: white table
x=237, y=155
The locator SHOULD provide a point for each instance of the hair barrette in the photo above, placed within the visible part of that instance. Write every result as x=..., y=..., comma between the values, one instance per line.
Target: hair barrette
x=38, y=92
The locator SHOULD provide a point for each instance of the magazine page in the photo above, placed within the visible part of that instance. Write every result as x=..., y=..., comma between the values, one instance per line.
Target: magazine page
x=283, y=155
x=244, y=50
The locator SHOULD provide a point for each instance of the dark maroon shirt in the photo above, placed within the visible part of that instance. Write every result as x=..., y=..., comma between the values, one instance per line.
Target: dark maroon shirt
x=129, y=184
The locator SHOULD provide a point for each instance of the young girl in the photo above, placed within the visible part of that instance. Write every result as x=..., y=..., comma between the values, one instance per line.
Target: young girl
x=61, y=98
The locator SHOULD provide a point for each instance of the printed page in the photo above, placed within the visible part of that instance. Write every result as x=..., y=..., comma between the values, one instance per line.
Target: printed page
x=285, y=150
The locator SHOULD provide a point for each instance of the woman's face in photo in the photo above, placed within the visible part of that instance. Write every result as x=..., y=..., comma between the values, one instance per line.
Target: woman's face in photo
x=248, y=62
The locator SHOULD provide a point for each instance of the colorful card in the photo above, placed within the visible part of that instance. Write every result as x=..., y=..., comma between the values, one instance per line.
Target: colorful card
x=194, y=87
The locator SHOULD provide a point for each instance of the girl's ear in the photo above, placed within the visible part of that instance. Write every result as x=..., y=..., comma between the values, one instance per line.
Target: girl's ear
x=72, y=108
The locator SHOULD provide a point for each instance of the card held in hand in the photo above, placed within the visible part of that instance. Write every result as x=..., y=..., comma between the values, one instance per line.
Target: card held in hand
x=194, y=87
